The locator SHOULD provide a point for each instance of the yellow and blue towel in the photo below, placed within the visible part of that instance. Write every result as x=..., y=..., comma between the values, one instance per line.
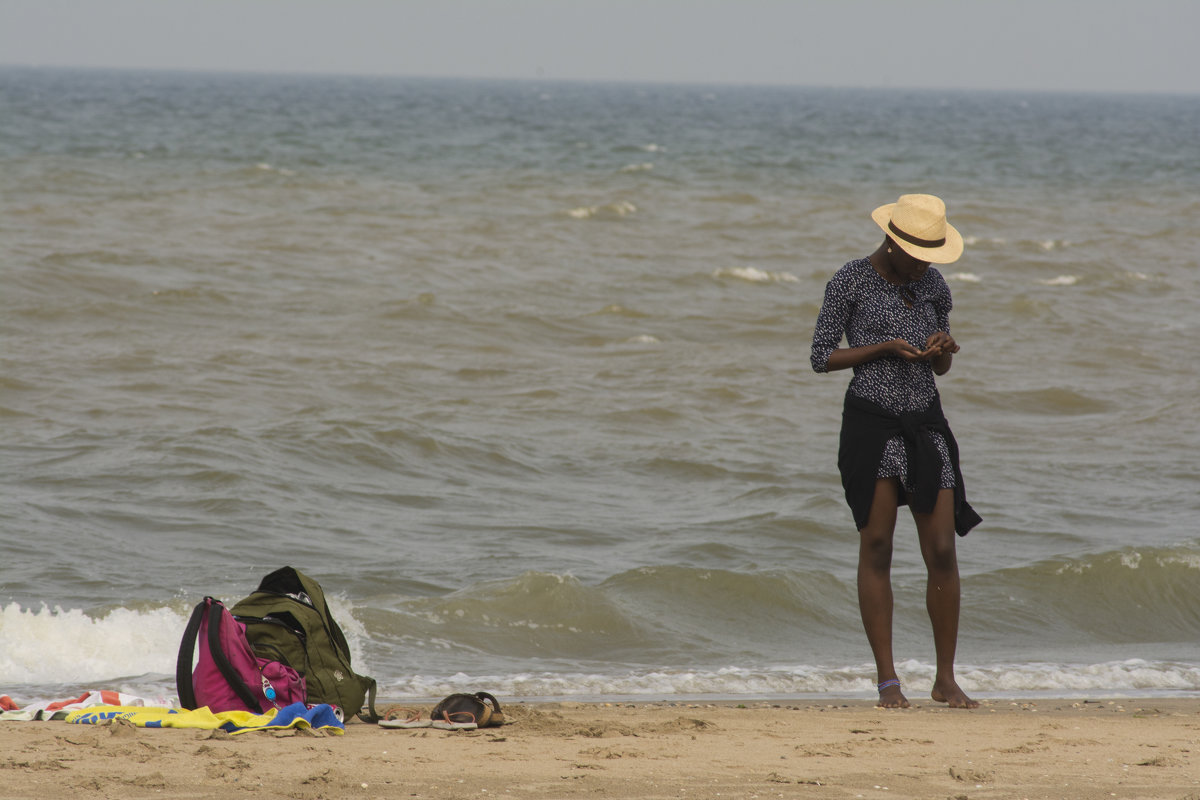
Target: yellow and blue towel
x=297, y=715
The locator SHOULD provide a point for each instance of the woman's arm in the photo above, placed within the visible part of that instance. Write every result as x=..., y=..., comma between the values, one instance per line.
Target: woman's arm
x=939, y=352
x=847, y=357
x=941, y=343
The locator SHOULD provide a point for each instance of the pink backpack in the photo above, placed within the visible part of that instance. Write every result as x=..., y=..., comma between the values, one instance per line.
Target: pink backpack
x=228, y=676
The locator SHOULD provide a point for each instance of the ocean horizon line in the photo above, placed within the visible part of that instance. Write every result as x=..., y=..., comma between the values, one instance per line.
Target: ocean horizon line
x=610, y=82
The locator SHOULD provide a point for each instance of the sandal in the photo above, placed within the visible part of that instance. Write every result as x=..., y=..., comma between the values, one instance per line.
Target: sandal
x=482, y=710
x=397, y=717
x=456, y=721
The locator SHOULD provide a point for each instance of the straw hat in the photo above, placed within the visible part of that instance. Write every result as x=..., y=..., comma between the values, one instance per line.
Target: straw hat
x=917, y=222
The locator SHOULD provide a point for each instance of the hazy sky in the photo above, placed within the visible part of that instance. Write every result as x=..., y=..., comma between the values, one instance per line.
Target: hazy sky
x=1091, y=45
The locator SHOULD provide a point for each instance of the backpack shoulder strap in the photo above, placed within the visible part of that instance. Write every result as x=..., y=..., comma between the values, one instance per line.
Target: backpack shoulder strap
x=183, y=663
x=215, y=613
x=373, y=715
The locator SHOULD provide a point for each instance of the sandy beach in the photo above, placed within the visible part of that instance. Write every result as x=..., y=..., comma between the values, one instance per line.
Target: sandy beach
x=1005, y=749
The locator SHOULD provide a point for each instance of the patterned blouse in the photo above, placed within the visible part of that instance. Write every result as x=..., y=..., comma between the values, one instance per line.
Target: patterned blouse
x=866, y=309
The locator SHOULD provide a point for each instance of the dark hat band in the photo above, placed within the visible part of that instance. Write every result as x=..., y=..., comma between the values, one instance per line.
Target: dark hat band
x=908, y=237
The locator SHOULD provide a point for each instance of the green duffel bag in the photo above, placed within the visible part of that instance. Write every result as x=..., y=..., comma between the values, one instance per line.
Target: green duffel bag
x=288, y=620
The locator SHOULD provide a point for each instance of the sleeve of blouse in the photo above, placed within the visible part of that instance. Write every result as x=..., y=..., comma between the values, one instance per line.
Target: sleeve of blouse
x=942, y=303
x=831, y=322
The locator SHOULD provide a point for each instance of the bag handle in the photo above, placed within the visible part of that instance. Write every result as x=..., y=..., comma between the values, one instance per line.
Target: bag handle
x=492, y=701
x=183, y=664
x=222, y=661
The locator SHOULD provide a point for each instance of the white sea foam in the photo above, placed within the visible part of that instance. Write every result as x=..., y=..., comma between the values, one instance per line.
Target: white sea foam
x=1132, y=560
x=620, y=208
x=53, y=645
x=1054, y=244
x=616, y=309
x=645, y=167
x=1061, y=280
x=342, y=610
x=964, y=277
x=265, y=167
x=971, y=241
x=1189, y=560
x=1110, y=679
x=755, y=275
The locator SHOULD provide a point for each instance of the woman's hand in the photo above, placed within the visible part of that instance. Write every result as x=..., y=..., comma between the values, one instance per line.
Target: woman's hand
x=940, y=348
x=900, y=348
x=939, y=344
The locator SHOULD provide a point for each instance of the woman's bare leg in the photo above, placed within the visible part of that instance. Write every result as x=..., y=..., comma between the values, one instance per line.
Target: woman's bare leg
x=942, y=595
x=875, y=586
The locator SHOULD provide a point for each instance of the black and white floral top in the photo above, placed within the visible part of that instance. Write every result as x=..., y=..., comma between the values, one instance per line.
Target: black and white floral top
x=866, y=309
x=860, y=305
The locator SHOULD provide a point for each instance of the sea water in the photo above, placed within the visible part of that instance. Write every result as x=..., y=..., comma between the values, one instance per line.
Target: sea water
x=519, y=371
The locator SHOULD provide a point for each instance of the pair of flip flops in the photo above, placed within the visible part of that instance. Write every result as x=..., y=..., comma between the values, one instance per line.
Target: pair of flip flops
x=408, y=718
x=458, y=712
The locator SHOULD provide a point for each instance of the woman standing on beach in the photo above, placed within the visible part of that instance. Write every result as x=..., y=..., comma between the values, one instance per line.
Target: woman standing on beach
x=896, y=448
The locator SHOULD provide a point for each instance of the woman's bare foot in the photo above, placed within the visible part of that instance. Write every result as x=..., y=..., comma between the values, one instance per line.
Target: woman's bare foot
x=890, y=695
x=948, y=692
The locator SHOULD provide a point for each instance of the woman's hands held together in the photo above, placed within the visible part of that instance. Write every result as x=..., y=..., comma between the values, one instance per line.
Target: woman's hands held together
x=939, y=348
x=937, y=345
